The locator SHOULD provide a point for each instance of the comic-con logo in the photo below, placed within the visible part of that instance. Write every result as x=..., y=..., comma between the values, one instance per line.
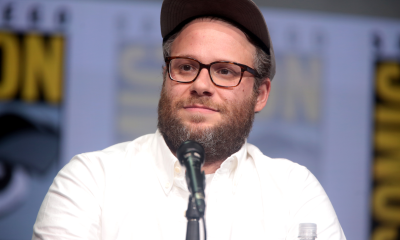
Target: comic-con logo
x=31, y=92
x=386, y=145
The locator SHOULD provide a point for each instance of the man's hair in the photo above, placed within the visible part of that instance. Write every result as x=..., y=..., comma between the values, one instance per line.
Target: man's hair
x=261, y=60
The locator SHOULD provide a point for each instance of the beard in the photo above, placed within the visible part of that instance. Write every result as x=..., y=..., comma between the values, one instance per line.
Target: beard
x=219, y=141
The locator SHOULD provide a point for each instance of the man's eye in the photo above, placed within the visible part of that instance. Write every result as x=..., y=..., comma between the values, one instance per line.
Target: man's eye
x=187, y=68
x=227, y=72
x=224, y=71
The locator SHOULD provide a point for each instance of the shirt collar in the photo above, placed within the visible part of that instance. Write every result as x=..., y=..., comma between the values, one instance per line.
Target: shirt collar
x=233, y=166
x=165, y=163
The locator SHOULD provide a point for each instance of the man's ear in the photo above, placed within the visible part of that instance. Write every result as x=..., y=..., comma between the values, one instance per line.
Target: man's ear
x=263, y=93
x=164, y=73
x=164, y=70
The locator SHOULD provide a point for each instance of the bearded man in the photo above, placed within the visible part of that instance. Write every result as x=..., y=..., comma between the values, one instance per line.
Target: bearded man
x=219, y=63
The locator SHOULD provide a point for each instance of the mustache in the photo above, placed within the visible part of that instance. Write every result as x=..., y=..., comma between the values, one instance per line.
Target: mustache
x=207, y=102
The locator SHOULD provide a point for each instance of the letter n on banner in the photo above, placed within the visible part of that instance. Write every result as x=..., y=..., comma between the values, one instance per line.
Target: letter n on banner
x=32, y=60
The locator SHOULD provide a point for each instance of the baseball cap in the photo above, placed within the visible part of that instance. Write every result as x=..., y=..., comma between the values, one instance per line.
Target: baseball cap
x=245, y=13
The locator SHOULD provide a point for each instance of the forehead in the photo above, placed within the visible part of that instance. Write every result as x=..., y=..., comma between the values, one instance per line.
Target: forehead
x=215, y=20
x=213, y=40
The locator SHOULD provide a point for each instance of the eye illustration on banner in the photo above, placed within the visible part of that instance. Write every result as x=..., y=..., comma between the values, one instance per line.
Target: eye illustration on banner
x=31, y=94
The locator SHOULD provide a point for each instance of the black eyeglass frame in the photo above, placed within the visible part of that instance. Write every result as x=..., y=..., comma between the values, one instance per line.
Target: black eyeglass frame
x=208, y=66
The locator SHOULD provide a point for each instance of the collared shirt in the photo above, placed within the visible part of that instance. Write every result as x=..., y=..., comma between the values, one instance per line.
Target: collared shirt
x=137, y=190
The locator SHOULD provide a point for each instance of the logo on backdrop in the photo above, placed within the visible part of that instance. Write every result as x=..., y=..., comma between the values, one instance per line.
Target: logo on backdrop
x=386, y=145
x=139, y=77
x=289, y=126
x=31, y=93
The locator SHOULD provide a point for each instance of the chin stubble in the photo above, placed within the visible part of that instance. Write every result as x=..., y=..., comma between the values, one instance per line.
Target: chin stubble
x=219, y=141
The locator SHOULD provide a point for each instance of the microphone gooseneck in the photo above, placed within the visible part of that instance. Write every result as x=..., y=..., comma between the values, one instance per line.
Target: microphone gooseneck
x=191, y=155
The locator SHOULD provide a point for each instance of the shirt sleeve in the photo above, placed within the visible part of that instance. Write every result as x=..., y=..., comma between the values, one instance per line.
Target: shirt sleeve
x=72, y=206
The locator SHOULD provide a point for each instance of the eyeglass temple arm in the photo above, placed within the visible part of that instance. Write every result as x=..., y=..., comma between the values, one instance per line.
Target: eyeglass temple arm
x=250, y=70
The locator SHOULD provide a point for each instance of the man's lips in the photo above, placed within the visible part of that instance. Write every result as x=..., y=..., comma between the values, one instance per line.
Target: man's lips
x=200, y=108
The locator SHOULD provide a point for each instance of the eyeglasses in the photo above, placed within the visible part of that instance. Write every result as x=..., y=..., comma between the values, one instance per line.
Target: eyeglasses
x=222, y=73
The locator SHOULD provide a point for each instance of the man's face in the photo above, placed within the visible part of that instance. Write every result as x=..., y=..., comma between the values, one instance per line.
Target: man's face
x=219, y=118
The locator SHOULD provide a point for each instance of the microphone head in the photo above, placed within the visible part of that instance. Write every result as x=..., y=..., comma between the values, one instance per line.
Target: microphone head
x=190, y=148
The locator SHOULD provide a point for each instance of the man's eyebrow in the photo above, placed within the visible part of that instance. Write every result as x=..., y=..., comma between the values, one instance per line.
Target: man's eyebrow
x=216, y=60
x=185, y=55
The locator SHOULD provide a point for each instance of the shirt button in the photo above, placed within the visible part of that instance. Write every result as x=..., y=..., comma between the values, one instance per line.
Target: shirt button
x=167, y=185
x=177, y=170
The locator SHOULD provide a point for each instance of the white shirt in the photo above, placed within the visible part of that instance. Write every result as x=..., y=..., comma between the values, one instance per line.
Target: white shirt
x=137, y=190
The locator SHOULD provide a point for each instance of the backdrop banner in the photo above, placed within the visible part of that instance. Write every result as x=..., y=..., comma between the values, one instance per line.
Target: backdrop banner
x=386, y=141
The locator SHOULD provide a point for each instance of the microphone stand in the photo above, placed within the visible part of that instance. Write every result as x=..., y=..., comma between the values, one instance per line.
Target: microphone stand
x=191, y=155
x=193, y=216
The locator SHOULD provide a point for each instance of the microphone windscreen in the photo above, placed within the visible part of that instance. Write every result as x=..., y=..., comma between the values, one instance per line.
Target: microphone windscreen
x=190, y=148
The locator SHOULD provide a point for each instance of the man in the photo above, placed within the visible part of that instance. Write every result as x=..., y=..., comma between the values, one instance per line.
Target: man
x=219, y=62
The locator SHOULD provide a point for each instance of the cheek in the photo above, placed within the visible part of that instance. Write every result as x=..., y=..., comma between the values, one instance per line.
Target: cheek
x=176, y=89
x=244, y=92
x=174, y=94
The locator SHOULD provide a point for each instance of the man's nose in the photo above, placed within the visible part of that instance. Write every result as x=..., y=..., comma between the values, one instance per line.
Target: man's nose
x=203, y=86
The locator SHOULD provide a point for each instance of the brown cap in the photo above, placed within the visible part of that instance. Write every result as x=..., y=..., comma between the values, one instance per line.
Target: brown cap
x=176, y=13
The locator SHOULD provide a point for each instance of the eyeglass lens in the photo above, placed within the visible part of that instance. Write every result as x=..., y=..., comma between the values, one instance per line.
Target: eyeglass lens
x=223, y=74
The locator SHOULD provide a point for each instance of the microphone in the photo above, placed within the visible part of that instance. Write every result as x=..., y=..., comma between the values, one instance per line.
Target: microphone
x=191, y=155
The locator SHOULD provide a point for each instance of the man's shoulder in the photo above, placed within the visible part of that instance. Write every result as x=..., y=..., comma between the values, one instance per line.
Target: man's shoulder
x=124, y=147
x=283, y=178
x=261, y=159
x=278, y=169
x=120, y=150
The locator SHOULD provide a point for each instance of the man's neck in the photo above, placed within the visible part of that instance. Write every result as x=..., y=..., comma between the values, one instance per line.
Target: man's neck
x=210, y=168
